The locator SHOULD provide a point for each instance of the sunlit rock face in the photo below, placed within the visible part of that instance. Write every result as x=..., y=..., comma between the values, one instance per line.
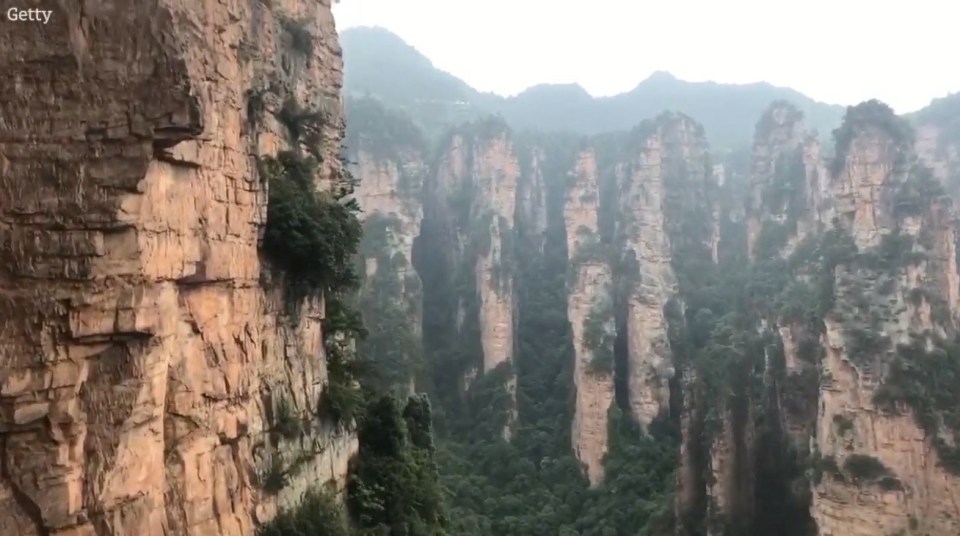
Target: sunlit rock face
x=142, y=358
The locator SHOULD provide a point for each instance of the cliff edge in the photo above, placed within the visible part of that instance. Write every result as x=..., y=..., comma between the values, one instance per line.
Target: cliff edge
x=144, y=357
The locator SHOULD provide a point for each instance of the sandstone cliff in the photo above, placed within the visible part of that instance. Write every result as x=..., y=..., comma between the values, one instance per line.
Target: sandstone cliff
x=142, y=359
x=591, y=314
x=886, y=473
x=387, y=152
x=664, y=211
x=852, y=292
x=763, y=430
x=470, y=204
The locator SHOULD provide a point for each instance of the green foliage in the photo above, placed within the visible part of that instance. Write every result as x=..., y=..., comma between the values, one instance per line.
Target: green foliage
x=394, y=487
x=865, y=344
x=773, y=236
x=599, y=337
x=843, y=423
x=274, y=478
x=894, y=252
x=590, y=249
x=285, y=421
x=390, y=302
x=343, y=398
x=532, y=485
x=826, y=465
x=768, y=121
x=301, y=124
x=944, y=113
x=381, y=132
x=864, y=468
x=310, y=236
x=871, y=114
x=926, y=381
x=916, y=194
x=317, y=514
x=785, y=195
x=341, y=401
x=298, y=34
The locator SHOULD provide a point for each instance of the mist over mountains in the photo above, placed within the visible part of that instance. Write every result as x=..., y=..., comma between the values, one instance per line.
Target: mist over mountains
x=379, y=63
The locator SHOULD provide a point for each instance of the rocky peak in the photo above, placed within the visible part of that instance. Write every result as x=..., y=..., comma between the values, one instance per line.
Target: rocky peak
x=664, y=209
x=785, y=182
x=895, y=300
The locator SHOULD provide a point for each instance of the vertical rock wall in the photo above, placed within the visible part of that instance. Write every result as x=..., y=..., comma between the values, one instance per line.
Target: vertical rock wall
x=646, y=241
x=471, y=200
x=665, y=210
x=916, y=495
x=388, y=155
x=141, y=358
x=590, y=310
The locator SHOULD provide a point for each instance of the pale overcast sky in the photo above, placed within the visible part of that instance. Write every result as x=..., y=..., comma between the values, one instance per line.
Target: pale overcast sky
x=904, y=52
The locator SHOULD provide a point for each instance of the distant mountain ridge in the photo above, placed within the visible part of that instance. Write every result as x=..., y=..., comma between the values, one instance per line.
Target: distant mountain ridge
x=379, y=63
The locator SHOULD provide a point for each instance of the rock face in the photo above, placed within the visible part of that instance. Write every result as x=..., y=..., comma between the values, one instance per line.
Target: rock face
x=910, y=490
x=786, y=182
x=470, y=214
x=392, y=172
x=142, y=359
x=646, y=239
x=868, y=246
x=591, y=314
x=663, y=183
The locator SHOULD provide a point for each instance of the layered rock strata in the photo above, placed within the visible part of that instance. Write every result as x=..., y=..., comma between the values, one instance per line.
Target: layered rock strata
x=142, y=359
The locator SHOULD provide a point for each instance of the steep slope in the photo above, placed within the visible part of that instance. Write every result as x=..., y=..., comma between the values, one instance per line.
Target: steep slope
x=851, y=292
x=381, y=64
x=468, y=251
x=147, y=369
x=388, y=154
x=894, y=468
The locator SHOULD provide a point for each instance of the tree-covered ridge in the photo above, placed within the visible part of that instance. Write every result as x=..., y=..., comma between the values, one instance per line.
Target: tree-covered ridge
x=379, y=64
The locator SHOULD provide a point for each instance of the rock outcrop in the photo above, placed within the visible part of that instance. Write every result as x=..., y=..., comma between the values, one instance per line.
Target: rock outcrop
x=664, y=210
x=470, y=213
x=591, y=314
x=885, y=473
x=855, y=276
x=786, y=183
x=387, y=153
x=142, y=358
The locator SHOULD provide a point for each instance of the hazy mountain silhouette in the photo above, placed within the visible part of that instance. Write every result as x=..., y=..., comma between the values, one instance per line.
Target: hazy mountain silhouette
x=380, y=64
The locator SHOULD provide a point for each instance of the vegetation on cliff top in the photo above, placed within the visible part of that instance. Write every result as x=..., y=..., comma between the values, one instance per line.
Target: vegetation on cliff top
x=864, y=117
